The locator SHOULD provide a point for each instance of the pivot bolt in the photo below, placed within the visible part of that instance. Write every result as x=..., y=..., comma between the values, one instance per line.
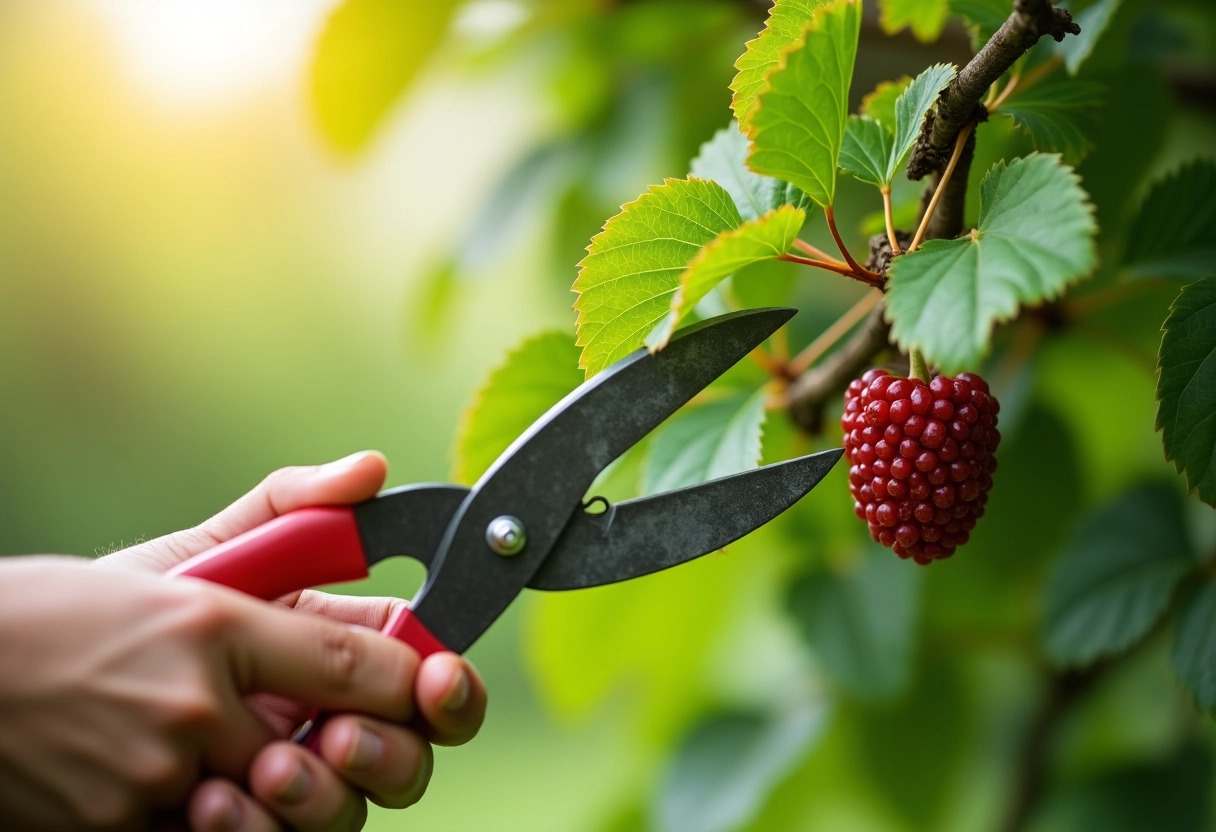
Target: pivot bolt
x=506, y=535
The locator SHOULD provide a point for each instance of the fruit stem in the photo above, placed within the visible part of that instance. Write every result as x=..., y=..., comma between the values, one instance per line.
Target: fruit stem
x=919, y=369
x=886, y=210
x=818, y=253
x=848, y=258
x=832, y=334
x=941, y=185
x=866, y=277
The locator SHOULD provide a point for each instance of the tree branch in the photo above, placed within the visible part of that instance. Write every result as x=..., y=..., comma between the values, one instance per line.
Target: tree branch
x=958, y=103
x=957, y=106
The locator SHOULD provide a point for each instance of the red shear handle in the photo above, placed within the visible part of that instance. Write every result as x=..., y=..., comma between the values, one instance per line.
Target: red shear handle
x=298, y=550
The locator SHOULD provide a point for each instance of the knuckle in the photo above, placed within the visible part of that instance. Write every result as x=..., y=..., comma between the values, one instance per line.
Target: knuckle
x=159, y=771
x=341, y=656
x=192, y=709
x=107, y=809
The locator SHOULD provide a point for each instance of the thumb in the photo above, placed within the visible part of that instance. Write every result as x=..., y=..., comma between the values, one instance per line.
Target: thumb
x=351, y=479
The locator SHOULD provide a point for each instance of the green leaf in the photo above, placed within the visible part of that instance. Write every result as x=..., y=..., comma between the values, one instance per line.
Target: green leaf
x=1035, y=238
x=983, y=17
x=766, y=238
x=786, y=22
x=1194, y=653
x=1166, y=789
x=1186, y=387
x=633, y=266
x=1115, y=579
x=871, y=151
x=911, y=107
x=925, y=17
x=367, y=55
x=722, y=159
x=880, y=103
x=797, y=125
x=535, y=376
x=706, y=442
x=866, y=150
x=1174, y=233
x=861, y=626
x=1093, y=21
x=1059, y=116
x=727, y=767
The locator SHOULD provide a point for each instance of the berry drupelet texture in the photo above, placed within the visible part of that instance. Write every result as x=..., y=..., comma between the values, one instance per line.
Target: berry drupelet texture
x=921, y=457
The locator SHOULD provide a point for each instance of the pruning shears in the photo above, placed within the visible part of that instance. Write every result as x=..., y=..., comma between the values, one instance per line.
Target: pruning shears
x=525, y=523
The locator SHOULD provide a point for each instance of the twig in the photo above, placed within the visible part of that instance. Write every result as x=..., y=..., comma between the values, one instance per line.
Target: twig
x=958, y=103
x=807, y=248
x=767, y=363
x=848, y=258
x=890, y=221
x=816, y=349
x=864, y=275
x=963, y=136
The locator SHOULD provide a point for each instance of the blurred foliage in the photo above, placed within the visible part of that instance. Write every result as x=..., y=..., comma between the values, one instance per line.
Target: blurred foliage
x=177, y=319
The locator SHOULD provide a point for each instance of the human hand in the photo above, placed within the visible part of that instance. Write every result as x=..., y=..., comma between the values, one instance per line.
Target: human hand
x=141, y=683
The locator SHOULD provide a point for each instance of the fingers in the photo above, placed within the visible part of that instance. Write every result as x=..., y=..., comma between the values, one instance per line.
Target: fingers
x=219, y=806
x=451, y=699
x=318, y=662
x=391, y=764
x=351, y=479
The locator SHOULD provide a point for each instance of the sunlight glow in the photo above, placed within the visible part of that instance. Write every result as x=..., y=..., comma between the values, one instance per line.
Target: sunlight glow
x=187, y=52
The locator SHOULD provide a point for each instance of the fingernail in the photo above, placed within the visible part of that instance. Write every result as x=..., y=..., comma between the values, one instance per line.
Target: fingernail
x=227, y=816
x=341, y=466
x=458, y=691
x=297, y=787
x=365, y=751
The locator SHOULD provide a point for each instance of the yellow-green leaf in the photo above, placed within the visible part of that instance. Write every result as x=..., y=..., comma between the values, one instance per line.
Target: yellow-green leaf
x=633, y=267
x=765, y=238
x=366, y=56
x=925, y=17
x=798, y=123
x=880, y=104
x=535, y=376
x=786, y=22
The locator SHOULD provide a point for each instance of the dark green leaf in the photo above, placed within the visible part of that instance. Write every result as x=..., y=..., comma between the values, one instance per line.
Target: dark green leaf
x=1186, y=387
x=786, y=22
x=1116, y=578
x=534, y=377
x=1195, y=645
x=366, y=56
x=1174, y=233
x=1035, y=238
x=723, y=160
x=1060, y=116
x=706, y=442
x=798, y=121
x=727, y=767
x=1172, y=794
x=861, y=626
x=633, y=267
x=1093, y=21
x=925, y=17
x=866, y=150
x=911, y=107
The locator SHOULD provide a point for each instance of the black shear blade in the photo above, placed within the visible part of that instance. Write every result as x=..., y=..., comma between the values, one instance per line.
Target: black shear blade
x=541, y=479
x=638, y=537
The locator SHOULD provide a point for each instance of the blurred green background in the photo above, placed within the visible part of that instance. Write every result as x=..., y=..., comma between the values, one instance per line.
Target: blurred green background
x=214, y=261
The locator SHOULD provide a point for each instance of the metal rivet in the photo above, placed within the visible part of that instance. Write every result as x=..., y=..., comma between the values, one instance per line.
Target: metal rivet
x=506, y=535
